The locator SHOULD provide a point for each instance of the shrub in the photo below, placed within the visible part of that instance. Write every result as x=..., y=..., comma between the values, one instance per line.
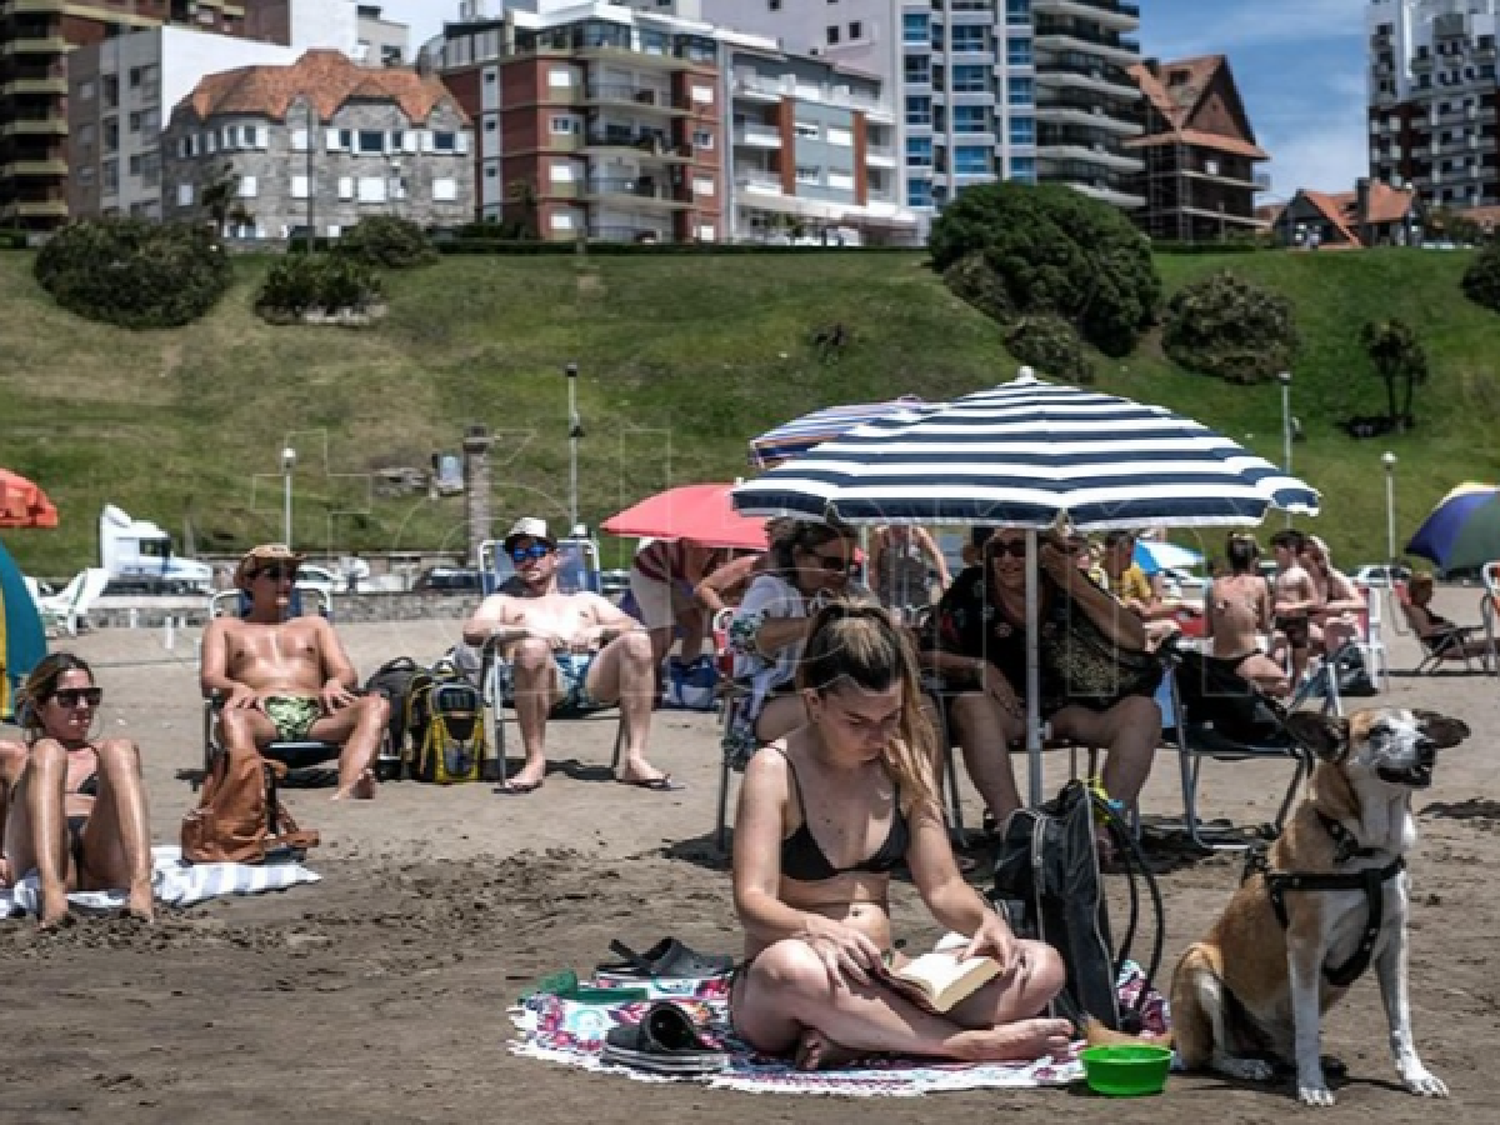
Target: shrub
x=972, y=280
x=1226, y=327
x=1051, y=345
x=135, y=273
x=1482, y=278
x=387, y=242
x=1056, y=251
x=302, y=283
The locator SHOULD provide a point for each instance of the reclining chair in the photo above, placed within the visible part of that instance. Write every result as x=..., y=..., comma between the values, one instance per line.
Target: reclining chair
x=302, y=758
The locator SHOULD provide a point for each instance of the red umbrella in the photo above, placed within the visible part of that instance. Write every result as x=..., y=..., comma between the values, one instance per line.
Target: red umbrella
x=24, y=504
x=700, y=512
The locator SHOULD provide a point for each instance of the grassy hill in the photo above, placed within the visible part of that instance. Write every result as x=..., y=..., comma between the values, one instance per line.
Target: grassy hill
x=682, y=359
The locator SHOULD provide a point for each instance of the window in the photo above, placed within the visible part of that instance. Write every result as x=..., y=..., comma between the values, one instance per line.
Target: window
x=561, y=173
x=703, y=95
x=445, y=190
x=559, y=77
x=915, y=28
x=708, y=233
x=371, y=141
x=703, y=139
x=837, y=136
x=971, y=119
x=300, y=187
x=918, y=110
x=967, y=37
x=832, y=34
x=86, y=136
x=86, y=91
x=1017, y=11
x=111, y=91
x=1023, y=130
x=1020, y=91
x=445, y=142
x=299, y=140
x=971, y=79
x=703, y=185
x=809, y=174
x=919, y=152
x=842, y=181
x=856, y=31
x=1211, y=167
x=184, y=195
x=566, y=126
x=1023, y=168
x=919, y=193
x=372, y=189
x=346, y=187
x=249, y=187
x=805, y=130
x=560, y=220
x=110, y=173
x=917, y=69
x=1018, y=52
x=973, y=160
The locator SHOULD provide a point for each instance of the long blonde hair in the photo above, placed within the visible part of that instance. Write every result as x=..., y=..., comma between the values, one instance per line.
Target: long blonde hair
x=860, y=643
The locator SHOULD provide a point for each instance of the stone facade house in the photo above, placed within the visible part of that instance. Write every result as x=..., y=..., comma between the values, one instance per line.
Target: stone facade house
x=318, y=146
x=1373, y=214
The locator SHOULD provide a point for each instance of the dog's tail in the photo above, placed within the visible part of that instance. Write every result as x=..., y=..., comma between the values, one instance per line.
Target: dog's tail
x=1197, y=989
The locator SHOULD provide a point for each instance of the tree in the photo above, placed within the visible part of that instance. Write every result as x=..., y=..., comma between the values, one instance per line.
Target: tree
x=1224, y=326
x=524, y=205
x=221, y=199
x=1398, y=357
x=1056, y=251
x=1482, y=278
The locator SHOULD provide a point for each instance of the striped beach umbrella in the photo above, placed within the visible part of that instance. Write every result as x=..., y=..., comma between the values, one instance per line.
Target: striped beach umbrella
x=1463, y=530
x=794, y=438
x=1025, y=454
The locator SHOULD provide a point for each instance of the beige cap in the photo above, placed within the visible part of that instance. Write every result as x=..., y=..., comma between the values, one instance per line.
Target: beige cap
x=529, y=527
x=257, y=558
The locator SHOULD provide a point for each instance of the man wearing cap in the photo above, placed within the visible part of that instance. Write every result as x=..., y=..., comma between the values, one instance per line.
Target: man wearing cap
x=288, y=678
x=567, y=654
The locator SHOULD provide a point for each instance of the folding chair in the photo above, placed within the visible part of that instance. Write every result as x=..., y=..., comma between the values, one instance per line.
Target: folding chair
x=300, y=756
x=1450, y=645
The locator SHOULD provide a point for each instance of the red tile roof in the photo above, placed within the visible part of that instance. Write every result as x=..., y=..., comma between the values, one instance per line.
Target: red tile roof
x=1232, y=145
x=1175, y=89
x=328, y=78
x=1384, y=205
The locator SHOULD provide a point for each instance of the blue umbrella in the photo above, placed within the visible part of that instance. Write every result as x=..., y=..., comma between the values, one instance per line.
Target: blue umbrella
x=794, y=438
x=1153, y=556
x=1463, y=531
x=23, y=642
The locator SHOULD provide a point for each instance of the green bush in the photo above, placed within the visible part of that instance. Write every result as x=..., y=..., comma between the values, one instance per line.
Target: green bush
x=1051, y=345
x=302, y=283
x=1056, y=251
x=972, y=280
x=1482, y=278
x=387, y=242
x=1226, y=327
x=134, y=273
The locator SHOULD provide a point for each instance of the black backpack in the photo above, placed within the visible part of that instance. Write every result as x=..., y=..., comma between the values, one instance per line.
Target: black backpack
x=393, y=680
x=1048, y=887
x=445, y=718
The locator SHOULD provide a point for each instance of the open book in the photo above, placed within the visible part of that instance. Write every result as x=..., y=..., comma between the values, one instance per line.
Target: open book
x=939, y=980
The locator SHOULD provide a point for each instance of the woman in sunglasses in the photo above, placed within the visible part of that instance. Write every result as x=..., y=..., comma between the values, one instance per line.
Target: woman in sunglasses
x=807, y=565
x=72, y=806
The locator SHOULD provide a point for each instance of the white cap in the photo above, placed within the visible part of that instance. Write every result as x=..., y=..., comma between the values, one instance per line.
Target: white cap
x=529, y=527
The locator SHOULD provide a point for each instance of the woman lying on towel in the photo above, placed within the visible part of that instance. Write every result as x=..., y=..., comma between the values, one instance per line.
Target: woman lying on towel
x=72, y=807
x=825, y=815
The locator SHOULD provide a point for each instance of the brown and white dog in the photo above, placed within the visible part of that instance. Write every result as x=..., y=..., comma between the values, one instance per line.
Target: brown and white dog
x=1259, y=983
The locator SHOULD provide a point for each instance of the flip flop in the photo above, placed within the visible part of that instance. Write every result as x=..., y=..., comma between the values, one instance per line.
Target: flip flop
x=667, y=958
x=517, y=788
x=662, y=784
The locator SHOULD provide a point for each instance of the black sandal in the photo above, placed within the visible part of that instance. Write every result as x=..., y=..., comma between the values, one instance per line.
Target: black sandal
x=667, y=958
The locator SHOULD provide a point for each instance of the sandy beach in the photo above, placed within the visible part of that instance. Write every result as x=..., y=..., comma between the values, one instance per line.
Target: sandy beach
x=380, y=994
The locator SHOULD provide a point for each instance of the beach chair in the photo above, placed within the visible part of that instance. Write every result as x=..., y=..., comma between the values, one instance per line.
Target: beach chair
x=301, y=757
x=66, y=610
x=1448, y=647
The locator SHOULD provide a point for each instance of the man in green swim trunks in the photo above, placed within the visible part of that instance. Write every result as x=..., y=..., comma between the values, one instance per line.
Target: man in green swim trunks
x=567, y=653
x=288, y=678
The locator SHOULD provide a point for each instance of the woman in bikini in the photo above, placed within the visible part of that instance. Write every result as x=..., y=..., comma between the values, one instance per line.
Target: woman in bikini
x=1240, y=611
x=825, y=815
x=72, y=807
x=1334, y=623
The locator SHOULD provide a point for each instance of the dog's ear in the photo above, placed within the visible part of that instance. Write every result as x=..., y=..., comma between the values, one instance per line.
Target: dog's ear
x=1326, y=736
x=1443, y=730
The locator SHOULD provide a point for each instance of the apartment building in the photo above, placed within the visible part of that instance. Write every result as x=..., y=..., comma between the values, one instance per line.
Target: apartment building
x=1200, y=152
x=1434, y=99
x=382, y=42
x=1031, y=90
x=320, y=145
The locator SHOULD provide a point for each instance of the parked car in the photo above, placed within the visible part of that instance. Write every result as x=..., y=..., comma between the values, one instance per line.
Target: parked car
x=310, y=576
x=448, y=580
x=1381, y=575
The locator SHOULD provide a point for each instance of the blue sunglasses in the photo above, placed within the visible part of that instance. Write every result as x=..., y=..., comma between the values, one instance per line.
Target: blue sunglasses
x=535, y=551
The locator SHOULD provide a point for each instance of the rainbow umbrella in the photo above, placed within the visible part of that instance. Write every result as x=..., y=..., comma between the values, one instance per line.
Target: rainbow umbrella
x=794, y=438
x=1463, y=531
x=23, y=642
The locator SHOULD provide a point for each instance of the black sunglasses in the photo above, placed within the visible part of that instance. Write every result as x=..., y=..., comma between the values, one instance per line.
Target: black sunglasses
x=830, y=562
x=277, y=573
x=73, y=696
x=1015, y=548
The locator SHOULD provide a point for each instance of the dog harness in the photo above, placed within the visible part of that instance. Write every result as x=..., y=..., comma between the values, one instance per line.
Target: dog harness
x=1371, y=880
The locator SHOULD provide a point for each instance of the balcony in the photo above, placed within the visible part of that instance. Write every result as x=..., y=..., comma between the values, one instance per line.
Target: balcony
x=751, y=135
x=881, y=155
x=32, y=7
x=36, y=209
x=763, y=88
x=642, y=145
x=53, y=166
x=54, y=85
x=623, y=233
x=642, y=99
x=35, y=45
x=1081, y=35
x=638, y=191
x=1106, y=13
x=52, y=126
x=658, y=57
x=1079, y=72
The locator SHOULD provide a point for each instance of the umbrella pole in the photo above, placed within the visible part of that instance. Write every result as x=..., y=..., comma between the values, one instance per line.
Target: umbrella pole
x=1033, y=676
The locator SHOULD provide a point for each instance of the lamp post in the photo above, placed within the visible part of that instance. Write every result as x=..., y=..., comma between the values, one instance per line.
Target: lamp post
x=288, y=463
x=1285, y=379
x=575, y=431
x=1388, y=459
x=396, y=187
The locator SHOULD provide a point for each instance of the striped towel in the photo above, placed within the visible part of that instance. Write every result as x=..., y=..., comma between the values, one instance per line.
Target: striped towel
x=176, y=883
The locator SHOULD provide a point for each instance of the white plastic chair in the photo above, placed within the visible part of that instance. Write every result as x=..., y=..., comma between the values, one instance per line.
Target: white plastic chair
x=63, y=611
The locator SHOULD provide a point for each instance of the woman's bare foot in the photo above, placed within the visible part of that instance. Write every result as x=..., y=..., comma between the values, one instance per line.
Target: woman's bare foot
x=53, y=911
x=141, y=903
x=815, y=1051
x=1022, y=1041
x=363, y=788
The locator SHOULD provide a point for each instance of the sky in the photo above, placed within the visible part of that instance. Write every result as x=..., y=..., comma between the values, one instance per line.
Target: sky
x=1300, y=65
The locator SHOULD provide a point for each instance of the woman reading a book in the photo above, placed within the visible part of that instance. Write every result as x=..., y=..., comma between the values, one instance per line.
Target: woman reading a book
x=825, y=815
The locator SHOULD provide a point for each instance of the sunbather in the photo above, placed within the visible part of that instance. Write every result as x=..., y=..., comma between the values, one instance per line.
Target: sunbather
x=1334, y=621
x=567, y=654
x=663, y=578
x=72, y=806
x=1296, y=598
x=1438, y=635
x=825, y=815
x=1238, y=613
x=288, y=678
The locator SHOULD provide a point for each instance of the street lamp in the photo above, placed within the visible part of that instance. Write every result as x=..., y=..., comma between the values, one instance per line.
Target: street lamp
x=1285, y=379
x=288, y=463
x=1388, y=459
x=396, y=187
x=575, y=431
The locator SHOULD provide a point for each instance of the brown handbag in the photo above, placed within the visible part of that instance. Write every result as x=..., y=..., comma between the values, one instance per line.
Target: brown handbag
x=240, y=817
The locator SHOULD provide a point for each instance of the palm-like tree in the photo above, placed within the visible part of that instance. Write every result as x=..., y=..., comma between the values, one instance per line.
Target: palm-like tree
x=1398, y=357
x=221, y=199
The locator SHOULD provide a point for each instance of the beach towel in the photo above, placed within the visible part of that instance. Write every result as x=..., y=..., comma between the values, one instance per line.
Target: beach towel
x=572, y=1033
x=176, y=884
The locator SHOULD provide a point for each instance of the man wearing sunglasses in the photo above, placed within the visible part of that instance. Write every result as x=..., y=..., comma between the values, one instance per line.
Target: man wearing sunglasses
x=288, y=679
x=566, y=654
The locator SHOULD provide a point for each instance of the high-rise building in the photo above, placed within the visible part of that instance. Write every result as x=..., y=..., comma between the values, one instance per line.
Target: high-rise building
x=1434, y=99
x=1031, y=90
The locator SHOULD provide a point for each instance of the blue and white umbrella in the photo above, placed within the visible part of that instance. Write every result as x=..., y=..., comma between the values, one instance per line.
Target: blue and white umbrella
x=1030, y=454
x=794, y=438
x=1025, y=454
x=1153, y=556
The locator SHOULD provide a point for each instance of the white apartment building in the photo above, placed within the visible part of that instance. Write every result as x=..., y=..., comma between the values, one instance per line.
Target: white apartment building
x=1433, y=99
x=1031, y=90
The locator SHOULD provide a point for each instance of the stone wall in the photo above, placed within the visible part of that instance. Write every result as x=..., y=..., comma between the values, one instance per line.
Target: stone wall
x=152, y=613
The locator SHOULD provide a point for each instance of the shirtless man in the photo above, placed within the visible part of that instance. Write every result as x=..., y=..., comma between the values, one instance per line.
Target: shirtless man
x=1238, y=612
x=568, y=654
x=289, y=679
x=1295, y=597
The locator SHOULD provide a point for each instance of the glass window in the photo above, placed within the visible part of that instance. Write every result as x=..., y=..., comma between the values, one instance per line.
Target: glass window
x=970, y=119
x=1023, y=168
x=914, y=27
x=971, y=79
x=918, y=68
x=919, y=152
x=1023, y=131
x=1018, y=52
x=967, y=37
x=918, y=110
x=371, y=140
x=973, y=160
x=1020, y=91
x=1017, y=11
x=919, y=193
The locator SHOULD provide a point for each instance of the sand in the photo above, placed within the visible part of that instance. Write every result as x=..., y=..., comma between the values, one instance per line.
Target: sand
x=380, y=994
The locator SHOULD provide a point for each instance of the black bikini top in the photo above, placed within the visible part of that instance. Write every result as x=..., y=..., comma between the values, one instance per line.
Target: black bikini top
x=803, y=861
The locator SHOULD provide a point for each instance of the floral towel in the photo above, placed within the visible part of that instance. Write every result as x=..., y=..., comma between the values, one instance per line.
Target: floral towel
x=572, y=1033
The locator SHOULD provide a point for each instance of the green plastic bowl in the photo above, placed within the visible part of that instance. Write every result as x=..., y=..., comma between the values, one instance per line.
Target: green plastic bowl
x=1126, y=1071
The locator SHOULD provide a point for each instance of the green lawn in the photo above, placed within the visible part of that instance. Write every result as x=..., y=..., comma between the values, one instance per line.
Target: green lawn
x=682, y=359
